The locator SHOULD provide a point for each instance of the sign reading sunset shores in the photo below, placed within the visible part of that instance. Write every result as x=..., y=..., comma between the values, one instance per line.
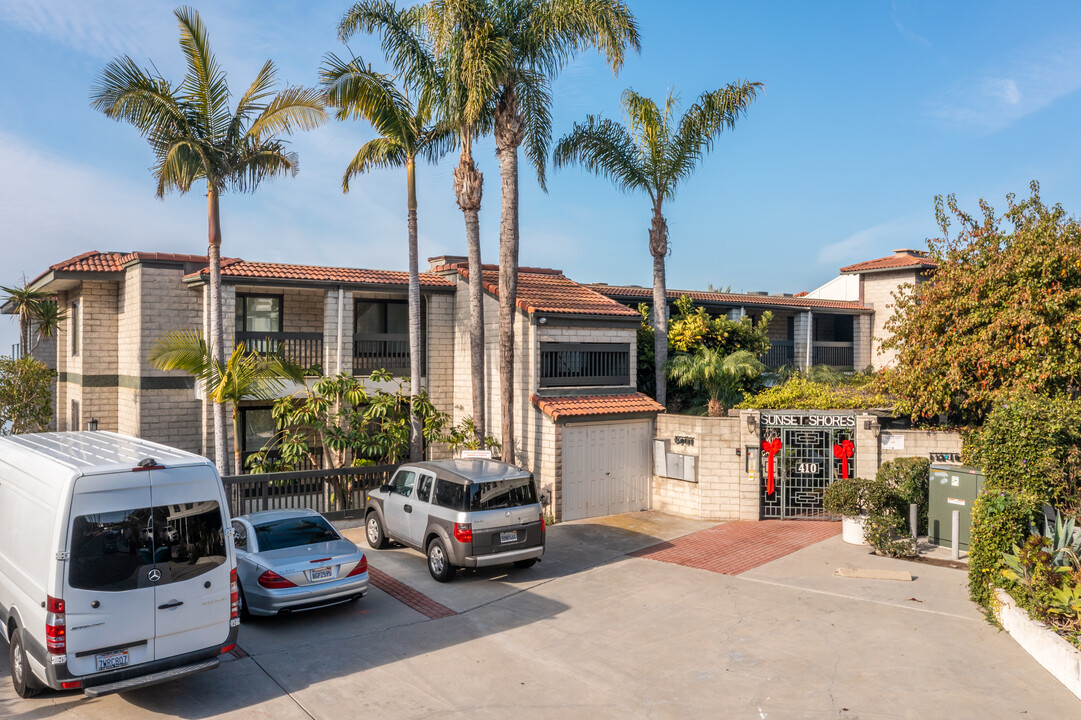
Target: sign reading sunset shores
x=812, y=420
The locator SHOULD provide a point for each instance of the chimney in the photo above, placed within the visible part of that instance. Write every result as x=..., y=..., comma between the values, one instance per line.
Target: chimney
x=901, y=252
x=434, y=262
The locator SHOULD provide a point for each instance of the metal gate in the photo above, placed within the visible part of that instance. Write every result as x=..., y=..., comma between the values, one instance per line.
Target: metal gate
x=805, y=460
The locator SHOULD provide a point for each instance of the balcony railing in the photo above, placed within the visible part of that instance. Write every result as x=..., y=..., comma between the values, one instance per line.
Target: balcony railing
x=580, y=364
x=781, y=353
x=303, y=349
x=375, y=351
x=837, y=354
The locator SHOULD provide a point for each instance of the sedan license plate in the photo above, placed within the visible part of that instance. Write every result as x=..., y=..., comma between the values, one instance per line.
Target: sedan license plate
x=323, y=573
x=507, y=537
x=113, y=660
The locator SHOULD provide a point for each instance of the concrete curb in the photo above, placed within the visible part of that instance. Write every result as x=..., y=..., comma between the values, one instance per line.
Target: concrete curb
x=1057, y=656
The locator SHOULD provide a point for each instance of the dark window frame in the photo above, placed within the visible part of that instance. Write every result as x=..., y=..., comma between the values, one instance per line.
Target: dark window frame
x=76, y=327
x=242, y=310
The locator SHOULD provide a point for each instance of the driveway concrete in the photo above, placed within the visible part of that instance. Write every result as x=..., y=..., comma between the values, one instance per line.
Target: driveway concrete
x=617, y=636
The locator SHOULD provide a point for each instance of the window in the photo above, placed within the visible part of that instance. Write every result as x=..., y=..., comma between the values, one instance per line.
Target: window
x=76, y=330
x=485, y=496
x=259, y=313
x=74, y=417
x=110, y=551
x=425, y=490
x=449, y=495
x=403, y=482
x=259, y=428
x=240, y=536
x=584, y=364
x=378, y=317
x=294, y=532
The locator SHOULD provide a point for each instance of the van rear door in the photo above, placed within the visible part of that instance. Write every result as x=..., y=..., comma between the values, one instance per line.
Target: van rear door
x=107, y=590
x=191, y=603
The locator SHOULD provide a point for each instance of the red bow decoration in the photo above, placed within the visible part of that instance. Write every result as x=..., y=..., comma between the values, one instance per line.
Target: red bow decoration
x=842, y=452
x=771, y=448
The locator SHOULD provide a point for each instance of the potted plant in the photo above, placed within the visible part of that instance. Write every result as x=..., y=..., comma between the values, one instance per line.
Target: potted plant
x=847, y=498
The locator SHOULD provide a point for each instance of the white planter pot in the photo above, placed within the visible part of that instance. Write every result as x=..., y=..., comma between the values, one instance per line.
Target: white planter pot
x=852, y=530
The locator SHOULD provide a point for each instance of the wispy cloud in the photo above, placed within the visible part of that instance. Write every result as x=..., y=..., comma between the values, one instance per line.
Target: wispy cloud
x=905, y=32
x=908, y=231
x=1002, y=95
x=133, y=27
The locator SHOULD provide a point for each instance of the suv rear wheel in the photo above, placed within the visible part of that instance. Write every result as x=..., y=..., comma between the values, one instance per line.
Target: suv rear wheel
x=21, y=675
x=439, y=562
x=373, y=530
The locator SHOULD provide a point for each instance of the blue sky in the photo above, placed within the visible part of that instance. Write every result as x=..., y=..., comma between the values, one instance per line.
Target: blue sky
x=870, y=109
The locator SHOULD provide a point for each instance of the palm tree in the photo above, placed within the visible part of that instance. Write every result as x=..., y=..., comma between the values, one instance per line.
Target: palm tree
x=405, y=131
x=462, y=104
x=718, y=374
x=653, y=153
x=244, y=376
x=196, y=137
x=35, y=309
x=509, y=52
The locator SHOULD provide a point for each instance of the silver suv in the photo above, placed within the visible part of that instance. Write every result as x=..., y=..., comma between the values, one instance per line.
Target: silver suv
x=460, y=513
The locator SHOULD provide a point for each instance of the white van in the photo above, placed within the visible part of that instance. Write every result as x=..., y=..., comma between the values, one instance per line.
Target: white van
x=117, y=568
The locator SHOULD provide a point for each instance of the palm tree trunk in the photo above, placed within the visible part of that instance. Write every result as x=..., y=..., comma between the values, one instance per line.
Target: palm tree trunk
x=416, y=347
x=469, y=187
x=217, y=332
x=658, y=247
x=237, y=463
x=509, y=132
x=716, y=409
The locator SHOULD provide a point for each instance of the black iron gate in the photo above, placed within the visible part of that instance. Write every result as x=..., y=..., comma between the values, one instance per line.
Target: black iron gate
x=800, y=456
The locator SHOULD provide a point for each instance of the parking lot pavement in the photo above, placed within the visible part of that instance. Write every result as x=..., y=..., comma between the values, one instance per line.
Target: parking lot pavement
x=571, y=547
x=616, y=637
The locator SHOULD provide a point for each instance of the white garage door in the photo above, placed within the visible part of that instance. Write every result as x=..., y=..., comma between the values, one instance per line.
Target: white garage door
x=606, y=468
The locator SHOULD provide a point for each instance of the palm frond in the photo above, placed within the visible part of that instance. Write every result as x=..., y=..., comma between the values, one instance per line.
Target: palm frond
x=559, y=29
x=187, y=351
x=404, y=42
x=360, y=92
x=603, y=147
x=535, y=104
x=704, y=122
x=180, y=166
x=380, y=152
x=262, y=162
x=204, y=84
x=254, y=100
x=125, y=92
x=294, y=108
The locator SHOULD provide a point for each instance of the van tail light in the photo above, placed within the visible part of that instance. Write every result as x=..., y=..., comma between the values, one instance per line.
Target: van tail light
x=72, y=685
x=361, y=568
x=274, y=581
x=56, y=636
x=463, y=532
x=234, y=596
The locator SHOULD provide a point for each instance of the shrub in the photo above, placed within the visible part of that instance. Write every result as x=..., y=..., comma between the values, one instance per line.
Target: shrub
x=25, y=395
x=889, y=535
x=844, y=497
x=910, y=476
x=1000, y=520
x=799, y=393
x=1029, y=445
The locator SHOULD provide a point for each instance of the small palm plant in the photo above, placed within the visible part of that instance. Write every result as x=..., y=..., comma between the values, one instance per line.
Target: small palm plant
x=720, y=375
x=39, y=315
x=243, y=376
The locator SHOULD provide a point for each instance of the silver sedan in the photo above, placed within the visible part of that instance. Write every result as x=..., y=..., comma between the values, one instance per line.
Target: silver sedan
x=291, y=560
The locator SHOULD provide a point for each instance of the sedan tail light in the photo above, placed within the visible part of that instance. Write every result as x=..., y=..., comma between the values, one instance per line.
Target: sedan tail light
x=274, y=581
x=463, y=532
x=361, y=568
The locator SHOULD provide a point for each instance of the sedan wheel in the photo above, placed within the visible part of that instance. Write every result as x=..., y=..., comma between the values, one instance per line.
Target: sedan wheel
x=439, y=563
x=377, y=539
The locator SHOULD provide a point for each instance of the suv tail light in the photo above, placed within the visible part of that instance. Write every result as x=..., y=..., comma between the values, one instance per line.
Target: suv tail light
x=361, y=568
x=274, y=581
x=234, y=596
x=543, y=526
x=463, y=532
x=56, y=637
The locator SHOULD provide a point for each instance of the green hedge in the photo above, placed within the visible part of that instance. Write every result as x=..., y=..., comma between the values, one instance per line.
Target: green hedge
x=910, y=476
x=1000, y=520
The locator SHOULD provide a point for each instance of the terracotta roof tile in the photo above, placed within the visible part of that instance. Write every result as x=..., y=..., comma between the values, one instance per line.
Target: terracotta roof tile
x=543, y=290
x=585, y=405
x=737, y=299
x=282, y=271
x=893, y=262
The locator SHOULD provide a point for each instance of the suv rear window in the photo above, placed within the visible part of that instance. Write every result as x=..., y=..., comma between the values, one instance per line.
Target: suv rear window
x=109, y=551
x=487, y=495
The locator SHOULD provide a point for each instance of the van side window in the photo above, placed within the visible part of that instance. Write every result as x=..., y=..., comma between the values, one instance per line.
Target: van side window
x=449, y=495
x=403, y=482
x=113, y=551
x=424, y=490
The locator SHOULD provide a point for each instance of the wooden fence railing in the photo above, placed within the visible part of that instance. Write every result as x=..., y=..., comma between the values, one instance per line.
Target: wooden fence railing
x=339, y=494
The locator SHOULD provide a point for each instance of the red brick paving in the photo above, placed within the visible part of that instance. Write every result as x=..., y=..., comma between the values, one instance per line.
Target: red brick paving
x=405, y=594
x=737, y=547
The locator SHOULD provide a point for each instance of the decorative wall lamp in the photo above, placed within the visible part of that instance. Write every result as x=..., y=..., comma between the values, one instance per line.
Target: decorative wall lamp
x=92, y=424
x=752, y=423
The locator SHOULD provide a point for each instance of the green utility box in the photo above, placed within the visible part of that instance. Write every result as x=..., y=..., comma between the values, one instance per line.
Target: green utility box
x=953, y=487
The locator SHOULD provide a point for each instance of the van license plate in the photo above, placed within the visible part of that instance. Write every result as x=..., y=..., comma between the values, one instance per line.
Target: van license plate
x=506, y=537
x=113, y=660
x=323, y=573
